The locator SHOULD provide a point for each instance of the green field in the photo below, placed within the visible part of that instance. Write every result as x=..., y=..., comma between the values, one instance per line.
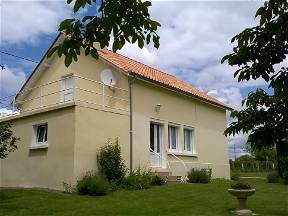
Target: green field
x=185, y=199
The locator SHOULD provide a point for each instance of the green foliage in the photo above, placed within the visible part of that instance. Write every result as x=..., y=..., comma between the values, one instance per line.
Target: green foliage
x=138, y=180
x=157, y=180
x=273, y=177
x=111, y=163
x=235, y=175
x=7, y=140
x=285, y=177
x=68, y=188
x=93, y=184
x=122, y=20
x=258, y=50
x=240, y=184
x=199, y=175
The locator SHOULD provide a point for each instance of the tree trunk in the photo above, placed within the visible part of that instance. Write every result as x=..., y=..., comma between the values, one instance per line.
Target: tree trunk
x=282, y=157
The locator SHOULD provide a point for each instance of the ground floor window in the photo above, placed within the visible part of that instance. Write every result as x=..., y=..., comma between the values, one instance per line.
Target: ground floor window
x=173, y=137
x=188, y=140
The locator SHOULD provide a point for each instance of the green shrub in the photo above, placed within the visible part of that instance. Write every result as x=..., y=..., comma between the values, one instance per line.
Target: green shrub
x=235, y=175
x=157, y=180
x=273, y=177
x=138, y=179
x=111, y=163
x=93, y=184
x=240, y=185
x=285, y=177
x=199, y=175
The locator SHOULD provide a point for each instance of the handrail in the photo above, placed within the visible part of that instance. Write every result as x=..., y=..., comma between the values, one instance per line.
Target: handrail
x=183, y=179
x=167, y=162
x=183, y=163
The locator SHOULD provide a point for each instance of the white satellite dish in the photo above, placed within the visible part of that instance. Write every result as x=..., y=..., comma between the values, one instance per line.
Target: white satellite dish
x=108, y=77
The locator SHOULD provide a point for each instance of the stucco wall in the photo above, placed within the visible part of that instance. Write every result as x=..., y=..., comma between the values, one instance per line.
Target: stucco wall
x=208, y=122
x=93, y=128
x=45, y=168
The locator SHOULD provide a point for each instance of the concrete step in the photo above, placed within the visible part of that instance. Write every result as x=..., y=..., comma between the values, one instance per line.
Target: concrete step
x=174, y=178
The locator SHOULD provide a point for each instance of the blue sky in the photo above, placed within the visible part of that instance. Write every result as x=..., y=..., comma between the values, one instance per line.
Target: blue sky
x=194, y=37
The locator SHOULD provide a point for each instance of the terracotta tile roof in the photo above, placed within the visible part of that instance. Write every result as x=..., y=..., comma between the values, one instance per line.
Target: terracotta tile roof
x=128, y=65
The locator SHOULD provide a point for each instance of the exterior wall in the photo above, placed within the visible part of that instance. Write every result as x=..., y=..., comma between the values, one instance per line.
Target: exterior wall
x=45, y=168
x=88, y=88
x=93, y=128
x=208, y=122
x=51, y=92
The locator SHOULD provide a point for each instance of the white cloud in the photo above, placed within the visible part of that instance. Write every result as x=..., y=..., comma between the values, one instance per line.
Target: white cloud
x=11, y=80
x=194, y=38
x=26, y=21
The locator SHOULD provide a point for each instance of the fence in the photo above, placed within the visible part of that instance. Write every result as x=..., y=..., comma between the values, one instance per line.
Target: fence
x=253, y=166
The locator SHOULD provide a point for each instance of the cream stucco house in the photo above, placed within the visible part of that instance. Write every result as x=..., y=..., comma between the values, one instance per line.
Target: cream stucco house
x=67, y=114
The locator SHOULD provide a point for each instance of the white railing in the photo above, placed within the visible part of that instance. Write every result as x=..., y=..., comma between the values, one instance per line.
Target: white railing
x=84, y=90
x=183, y=178
x=162, y=159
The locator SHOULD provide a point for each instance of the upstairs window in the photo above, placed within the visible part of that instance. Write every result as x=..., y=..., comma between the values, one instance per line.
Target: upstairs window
x=173, y=137
x=67, y=85
x=188, y=141
x=41, y=134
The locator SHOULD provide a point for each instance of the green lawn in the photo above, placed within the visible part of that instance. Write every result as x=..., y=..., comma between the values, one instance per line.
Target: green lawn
x=186, y=199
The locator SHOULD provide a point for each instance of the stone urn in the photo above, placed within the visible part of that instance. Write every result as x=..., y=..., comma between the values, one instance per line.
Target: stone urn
x=242, y=196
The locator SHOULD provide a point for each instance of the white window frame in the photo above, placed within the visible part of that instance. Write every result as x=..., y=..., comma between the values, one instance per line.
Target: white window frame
x=67, y=91
x=35, y=143
x=192, y=142
x=177, y=138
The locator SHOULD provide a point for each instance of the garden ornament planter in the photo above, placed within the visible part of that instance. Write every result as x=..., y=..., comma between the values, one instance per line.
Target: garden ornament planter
x=242, y=195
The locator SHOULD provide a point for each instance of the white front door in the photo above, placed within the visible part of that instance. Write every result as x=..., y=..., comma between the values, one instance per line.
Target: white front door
x=155, y=144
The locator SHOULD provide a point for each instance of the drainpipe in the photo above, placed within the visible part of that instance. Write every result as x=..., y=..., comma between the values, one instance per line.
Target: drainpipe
x=131, y=78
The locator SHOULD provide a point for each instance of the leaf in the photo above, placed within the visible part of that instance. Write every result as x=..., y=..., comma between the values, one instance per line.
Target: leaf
x=115, y=46
x=68, y=60
x=94, y=53
x=77, y=5
x=225, y=58
x=140, y=42
x=51, y=51
x=87, y=51
x=69, y=1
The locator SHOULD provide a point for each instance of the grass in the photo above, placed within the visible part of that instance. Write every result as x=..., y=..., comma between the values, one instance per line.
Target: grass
x=186, y=199
x=254, y=174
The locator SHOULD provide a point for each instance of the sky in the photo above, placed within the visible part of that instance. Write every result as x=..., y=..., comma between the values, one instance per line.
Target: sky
x=194, y=36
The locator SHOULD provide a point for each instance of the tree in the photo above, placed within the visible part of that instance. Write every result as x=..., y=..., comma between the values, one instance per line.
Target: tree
x=122, y=20
x=260, y=52
x=7, y=140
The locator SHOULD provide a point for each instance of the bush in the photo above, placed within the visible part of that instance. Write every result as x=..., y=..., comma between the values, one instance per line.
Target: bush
x=199, y=176
x=111, y=163
x=93, y=184
x=273, y=177
x=240, y=185
x=285, y=177
x=235, y=175
x=157, y=180
x=137, y=180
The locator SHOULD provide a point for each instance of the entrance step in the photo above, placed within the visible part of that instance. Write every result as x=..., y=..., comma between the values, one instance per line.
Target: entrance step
x=168, y=177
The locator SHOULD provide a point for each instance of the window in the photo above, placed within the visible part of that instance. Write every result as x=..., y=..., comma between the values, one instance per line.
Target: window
x=67, y=89
x=173, y=137
x=41, y=135
x=188, y=140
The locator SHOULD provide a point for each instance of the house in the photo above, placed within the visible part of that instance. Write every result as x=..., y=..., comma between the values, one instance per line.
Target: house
x=67, y=114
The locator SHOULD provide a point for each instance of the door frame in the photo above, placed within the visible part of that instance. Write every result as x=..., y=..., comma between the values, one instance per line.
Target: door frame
x=161, y=144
